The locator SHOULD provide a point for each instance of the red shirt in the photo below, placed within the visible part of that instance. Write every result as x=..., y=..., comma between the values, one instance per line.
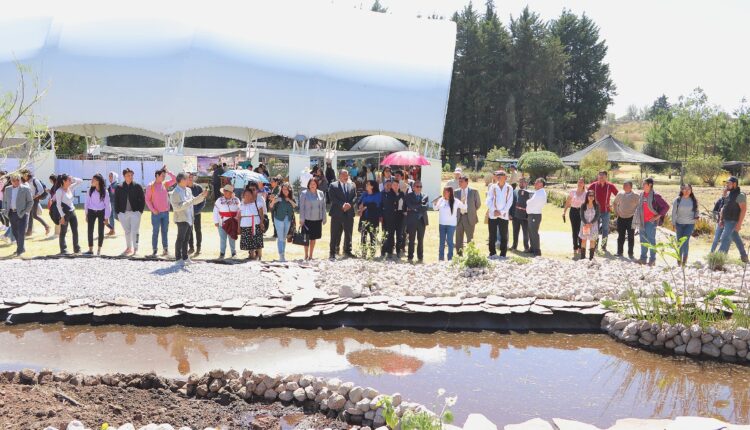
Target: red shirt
x=603, y=194
x=647, y=214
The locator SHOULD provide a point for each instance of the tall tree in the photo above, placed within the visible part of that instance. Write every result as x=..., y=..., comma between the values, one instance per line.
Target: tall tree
x=587, y=87
x=496, y=46
x=377, y=7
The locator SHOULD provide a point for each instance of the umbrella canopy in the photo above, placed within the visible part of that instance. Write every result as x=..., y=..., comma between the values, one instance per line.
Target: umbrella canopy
x=246, y=176
x=404, y=158
x=380, y=143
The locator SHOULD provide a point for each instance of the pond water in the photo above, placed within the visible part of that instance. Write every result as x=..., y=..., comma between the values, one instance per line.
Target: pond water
x=508, y=377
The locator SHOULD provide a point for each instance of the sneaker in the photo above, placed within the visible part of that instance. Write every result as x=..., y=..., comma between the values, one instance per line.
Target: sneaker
x=234, y=254
x=88, y=253
x=99, y=251
x=164, y=253
x=744, y=259
x=187, y=261
x=197, y=251
x=155, y=253
x=281, y=258
x=221, y=256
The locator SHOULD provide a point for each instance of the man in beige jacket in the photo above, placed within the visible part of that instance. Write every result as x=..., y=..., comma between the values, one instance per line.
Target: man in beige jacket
x=467, y=218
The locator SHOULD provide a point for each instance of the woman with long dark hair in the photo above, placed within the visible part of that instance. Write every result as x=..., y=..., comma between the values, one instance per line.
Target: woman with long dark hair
x=575, y=199
x=98, y=209
x=589, y=233
x=64, y=188
x=370, y=211
x=282, y=210
x=448, y=207
x=684, y=215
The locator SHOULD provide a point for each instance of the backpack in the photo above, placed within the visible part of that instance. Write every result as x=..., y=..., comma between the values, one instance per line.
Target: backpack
x=44, y=194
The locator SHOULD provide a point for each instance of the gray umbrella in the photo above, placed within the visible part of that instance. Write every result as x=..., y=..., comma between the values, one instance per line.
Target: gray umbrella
x=380, y=143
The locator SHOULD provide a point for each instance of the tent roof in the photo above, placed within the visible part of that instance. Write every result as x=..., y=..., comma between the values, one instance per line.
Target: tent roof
x=285, y=66
x=617, y=152
x=122, y=151
x=380, y=143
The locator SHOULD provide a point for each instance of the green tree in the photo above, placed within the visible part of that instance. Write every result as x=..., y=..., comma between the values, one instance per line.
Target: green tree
x=659, y=106
x=377, y=7
x=587, y=87
x=706, y=168
x=495, y=42
x=593, y=163
x=539, y=163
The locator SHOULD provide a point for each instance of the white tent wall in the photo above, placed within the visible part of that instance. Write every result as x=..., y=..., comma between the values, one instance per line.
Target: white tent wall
x=431, y=178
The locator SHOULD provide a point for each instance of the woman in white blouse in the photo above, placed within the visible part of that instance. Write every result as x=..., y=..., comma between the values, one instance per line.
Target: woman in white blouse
x=66, y=207
x=448, y=208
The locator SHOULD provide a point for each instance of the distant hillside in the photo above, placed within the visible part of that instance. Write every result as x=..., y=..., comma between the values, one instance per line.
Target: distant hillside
x=632, y=133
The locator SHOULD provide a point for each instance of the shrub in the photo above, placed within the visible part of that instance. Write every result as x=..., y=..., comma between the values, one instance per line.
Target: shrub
x=539, y=163
x=447, y=167
x=557, y=198
x=703, y=227
x=496, y=153
x=707, y=169
x=596, y=159
x=716, y=260
x=519, y=260
x=473, y=258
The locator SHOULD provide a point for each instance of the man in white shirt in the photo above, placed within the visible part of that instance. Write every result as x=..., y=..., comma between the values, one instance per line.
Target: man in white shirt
x=534, y=207
x=499, y=203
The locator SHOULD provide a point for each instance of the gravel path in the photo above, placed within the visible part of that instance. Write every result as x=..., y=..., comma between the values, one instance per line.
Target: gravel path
x=544, y=278
x=99, y=279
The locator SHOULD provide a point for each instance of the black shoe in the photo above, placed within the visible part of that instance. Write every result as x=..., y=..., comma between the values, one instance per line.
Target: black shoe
x=631, y=256
x=349, y=255
x=64, y=252
x=619, y=254
x=77, y=251
x=88, y=253
x=221, y=256
x=234, y=254
x=332, y=257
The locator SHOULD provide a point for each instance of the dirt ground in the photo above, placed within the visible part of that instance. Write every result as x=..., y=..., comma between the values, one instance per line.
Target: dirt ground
x=30, y=407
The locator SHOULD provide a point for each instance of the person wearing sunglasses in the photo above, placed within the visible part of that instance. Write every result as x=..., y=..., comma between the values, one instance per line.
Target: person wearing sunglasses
x=416, y=220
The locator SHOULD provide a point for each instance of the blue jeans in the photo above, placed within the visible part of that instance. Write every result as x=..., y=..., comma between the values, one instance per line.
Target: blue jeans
x=730, y=235
x=282, y=228
x=648, y=235
x=223, y=242
x=112, y=216
x=684, y=230
x=446, y=236
x=160, y=221
x=717, y=237
x=604, y=224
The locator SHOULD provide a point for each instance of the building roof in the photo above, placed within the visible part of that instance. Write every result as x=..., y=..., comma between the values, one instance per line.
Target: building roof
x=284, y=67
x=617, y=152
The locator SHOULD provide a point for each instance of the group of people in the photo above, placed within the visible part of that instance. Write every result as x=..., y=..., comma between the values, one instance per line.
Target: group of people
x=391, y=201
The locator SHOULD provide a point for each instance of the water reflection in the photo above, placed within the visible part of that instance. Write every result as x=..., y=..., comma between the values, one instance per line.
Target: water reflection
x=584, y=377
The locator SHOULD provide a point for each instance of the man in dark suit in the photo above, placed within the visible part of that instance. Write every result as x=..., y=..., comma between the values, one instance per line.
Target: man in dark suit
x=416, y=219
x=393, y=217
x=343, y=195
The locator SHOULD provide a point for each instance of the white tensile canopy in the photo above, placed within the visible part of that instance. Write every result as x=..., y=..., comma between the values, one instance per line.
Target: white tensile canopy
x=241, y=69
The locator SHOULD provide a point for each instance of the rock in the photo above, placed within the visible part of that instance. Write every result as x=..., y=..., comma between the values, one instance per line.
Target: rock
x=232, y=374
x=640, y=424
x=680, y=349
x=728, y=350
x=305, y=380
x=334, y=384
x=90, y=381
x=300, y=394
x=270, y=395
x=631, y=328
x=370, y=393
x=739, y=344
x=694, y=346
x=718, y=342
x=742, y=353
x=711, y=350
x=336, y=402
x=216, y=373
x=619, y=325
x=670, y=344
x=706, y=338
x=126, y=426
x=696, y=423
x=572, y=425
x=75, y=425
x=286, y=396
x=480, y=422
x=742, y=333
x=355, y=394
x=164, y=427
x=695, y=330
x=348, y=292
x=27, y=376
x=309, y=392
x=291, y=386
x=215, y=386
x=345, y=387
x=396, y=399
x=363, y=405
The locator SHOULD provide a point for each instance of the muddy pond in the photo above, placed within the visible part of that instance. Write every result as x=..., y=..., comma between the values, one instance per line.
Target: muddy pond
x=509, y=377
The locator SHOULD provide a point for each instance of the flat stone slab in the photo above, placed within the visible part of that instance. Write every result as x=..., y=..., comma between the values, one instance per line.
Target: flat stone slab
x=532, y=424
x=336, y=308
x=640, y=424
x=250, y=311
x=501, y=310
x=572, y=425
x=53, y=300
x=16, y=301
x=554, y=303
x=34, y=308
x=478, y=422
x=412, y=299
x=233, y=304
x=304, y=314
x=502, y=301
x=541, y=310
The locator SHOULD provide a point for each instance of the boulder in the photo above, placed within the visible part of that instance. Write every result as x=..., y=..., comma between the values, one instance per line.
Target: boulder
x=728, y=350
x=480, y=422
x=711, y=350
x=355, y=394
x=336, y=402
x=534, y=424
x=694, y=346
x=300, y=395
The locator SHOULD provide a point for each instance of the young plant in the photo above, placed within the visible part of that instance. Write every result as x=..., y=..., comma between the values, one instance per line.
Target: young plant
x=472, y=258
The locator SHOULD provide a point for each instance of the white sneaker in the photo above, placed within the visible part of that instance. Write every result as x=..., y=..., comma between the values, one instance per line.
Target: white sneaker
x=187, y=261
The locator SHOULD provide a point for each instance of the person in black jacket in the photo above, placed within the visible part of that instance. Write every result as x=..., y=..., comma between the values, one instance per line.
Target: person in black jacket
x=393, y=217
x=343, y=195
x=130, y=200
x=417, y=205
x=518, y=214
x=216, y=180
x=194, y=243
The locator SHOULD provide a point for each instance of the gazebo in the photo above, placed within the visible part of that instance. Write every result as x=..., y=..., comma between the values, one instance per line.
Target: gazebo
x=617, y=152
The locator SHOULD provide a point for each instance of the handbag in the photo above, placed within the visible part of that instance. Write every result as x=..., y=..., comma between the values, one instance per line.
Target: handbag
x=300, y=237
x=264, y=222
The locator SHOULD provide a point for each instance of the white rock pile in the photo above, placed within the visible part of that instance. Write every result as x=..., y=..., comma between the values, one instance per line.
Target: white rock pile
x=727, y=345
x=544, y=278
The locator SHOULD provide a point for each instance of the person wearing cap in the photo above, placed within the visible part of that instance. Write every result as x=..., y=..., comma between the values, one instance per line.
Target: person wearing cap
x=225, y=209
x=453, y=183
x=499, y=204
x=649, y=214
x=716, y=215
x=732, y=216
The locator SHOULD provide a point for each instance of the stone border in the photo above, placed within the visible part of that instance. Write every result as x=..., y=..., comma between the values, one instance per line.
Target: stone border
x=728, y=345
x=343, y=400
x=313, y=308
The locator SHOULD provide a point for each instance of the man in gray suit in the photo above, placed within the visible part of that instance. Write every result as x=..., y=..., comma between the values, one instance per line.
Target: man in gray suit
x=467, y=218
x=17, y=204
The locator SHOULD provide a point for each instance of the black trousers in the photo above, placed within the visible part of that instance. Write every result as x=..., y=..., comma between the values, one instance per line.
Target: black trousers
x=625, y=228
x=416, y=233
x=341, y=225
x=369, y=230
x=18, y=227
x=196, y=231
x=181, y=244
x=401, y=235
x=91, y=218
x=392, y=229
x=35, y=216
x=495, y=225
x=575, y=226
x=71, y=222
x=521, y=224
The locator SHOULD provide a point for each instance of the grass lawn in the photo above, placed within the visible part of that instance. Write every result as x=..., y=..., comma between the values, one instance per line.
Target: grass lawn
x=555, y=235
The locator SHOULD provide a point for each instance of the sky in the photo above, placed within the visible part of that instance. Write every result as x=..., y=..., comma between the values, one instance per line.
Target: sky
x=655, y=46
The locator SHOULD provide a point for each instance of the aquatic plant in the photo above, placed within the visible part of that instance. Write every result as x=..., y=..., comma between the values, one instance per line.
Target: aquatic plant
x=422, y=420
